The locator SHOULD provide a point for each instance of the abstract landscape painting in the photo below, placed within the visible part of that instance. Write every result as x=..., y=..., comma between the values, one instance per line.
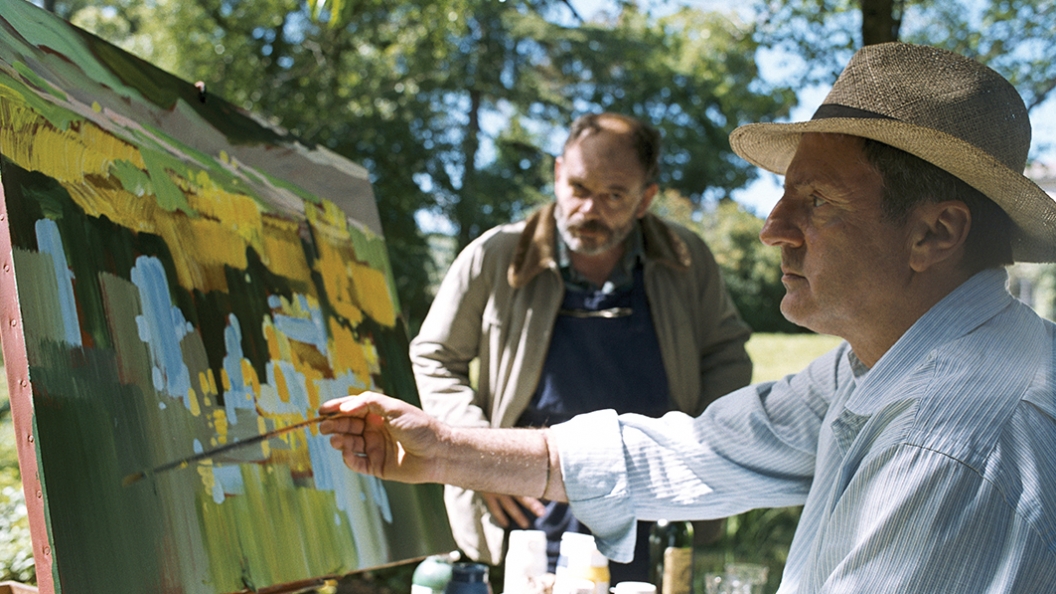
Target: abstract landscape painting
x=177, y=276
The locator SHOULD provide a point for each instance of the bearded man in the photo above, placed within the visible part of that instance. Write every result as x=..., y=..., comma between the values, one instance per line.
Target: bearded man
x=591, y=303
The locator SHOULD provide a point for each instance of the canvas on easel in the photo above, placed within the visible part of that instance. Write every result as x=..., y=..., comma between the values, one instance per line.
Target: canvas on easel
x=176, y=276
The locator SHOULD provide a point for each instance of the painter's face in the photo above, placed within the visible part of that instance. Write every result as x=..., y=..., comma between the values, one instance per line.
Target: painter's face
x=843, y=264
x=601, y=189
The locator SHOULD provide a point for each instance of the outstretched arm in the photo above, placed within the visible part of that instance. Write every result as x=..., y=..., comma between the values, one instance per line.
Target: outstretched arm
x=393, y=440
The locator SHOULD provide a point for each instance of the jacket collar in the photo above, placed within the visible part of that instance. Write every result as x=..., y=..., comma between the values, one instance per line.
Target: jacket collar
x=536, y=248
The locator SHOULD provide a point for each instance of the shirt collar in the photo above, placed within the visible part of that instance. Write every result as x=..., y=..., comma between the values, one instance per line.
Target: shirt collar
x=967, y=307
x=622, y=275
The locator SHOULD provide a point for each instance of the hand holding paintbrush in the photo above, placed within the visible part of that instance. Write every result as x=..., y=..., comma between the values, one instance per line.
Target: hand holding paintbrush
x=136, y=476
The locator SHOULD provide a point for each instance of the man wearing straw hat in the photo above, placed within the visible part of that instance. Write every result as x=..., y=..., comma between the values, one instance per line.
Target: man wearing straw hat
x=923, y=449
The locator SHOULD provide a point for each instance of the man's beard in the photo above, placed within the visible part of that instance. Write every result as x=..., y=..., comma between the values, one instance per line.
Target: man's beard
x=590, y=246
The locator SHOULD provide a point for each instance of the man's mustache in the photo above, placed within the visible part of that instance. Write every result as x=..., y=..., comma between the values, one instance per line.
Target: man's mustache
x=592, y=226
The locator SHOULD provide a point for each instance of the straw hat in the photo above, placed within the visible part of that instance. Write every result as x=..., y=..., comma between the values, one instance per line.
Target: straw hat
x=942, y=107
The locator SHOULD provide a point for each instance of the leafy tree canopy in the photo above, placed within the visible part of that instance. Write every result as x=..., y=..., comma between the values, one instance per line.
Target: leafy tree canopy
x=455, y=106
x=1014, y=37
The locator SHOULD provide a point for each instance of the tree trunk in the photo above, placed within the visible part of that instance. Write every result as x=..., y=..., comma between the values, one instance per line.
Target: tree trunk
x=881, y=20
x=468, y=195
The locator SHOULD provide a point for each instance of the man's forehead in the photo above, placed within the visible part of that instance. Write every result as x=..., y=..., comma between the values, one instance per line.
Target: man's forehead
x=836, y=160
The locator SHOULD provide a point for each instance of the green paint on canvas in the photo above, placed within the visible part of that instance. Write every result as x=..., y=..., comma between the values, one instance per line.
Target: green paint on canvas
x=167, y=192
x=133, y=179
x=37, y=81
x=12, y=90
x=43, y=320
x=300, y=516
x=61, y=39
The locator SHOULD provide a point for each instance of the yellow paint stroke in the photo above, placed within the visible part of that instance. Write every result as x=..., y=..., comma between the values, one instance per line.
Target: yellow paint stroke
x=282, y=251
x=371, y=291
x=353, y=288
x=225, y=380
x=346, y=355
x=192, y=400
x=249, y=378
x=65, y=155
x=278, y=345
x=217, y=234
x=311, y=384
x=370, y=352
x=280, y=384
x=262, y=427
x=296, y=454
x=201, y=249
x=332, y=264
x=205, y=471
x=203, y=383
x=220, y=425
x=239, y=212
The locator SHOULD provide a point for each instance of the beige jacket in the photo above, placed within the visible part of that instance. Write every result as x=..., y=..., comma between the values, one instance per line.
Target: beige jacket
x=498, y=303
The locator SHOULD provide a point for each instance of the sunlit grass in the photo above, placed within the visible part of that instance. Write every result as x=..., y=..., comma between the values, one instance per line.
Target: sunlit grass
x=778, y=355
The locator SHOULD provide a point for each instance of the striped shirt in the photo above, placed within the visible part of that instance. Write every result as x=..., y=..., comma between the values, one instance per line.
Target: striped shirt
x=934, y=471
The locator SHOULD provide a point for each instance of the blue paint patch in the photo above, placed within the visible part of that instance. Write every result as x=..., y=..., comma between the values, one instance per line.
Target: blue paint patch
x=341, y=386
x=240, y=395
x=50, y=242
x=296, y=386
x=298, y=329
x=162, y=326
x=229, y=480
x=310, y=330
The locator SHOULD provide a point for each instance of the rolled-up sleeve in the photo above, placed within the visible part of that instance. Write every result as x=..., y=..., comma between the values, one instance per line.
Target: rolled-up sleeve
x=591, y=450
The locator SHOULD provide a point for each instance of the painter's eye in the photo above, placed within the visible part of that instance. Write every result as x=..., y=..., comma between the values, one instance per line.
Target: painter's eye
x=816, y=200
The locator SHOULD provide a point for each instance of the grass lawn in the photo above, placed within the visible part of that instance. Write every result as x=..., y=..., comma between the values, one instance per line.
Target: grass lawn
x=778, y=355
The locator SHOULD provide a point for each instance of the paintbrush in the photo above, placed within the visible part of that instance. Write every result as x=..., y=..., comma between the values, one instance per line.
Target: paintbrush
x=136, y=476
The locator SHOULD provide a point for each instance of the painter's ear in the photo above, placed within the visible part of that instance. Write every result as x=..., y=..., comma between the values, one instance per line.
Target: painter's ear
x=939, y=233
x=647, y=200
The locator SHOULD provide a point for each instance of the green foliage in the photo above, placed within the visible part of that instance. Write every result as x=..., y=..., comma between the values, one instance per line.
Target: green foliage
x=1013, y=37
x=752, y=270
x=16, y=548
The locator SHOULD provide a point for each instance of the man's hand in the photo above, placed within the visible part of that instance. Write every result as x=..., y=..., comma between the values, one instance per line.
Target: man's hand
x=393, y=440
x=504, y=508
x=384, y=437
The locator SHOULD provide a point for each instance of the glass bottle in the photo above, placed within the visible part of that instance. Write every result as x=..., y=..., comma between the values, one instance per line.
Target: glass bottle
x=671, y=557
